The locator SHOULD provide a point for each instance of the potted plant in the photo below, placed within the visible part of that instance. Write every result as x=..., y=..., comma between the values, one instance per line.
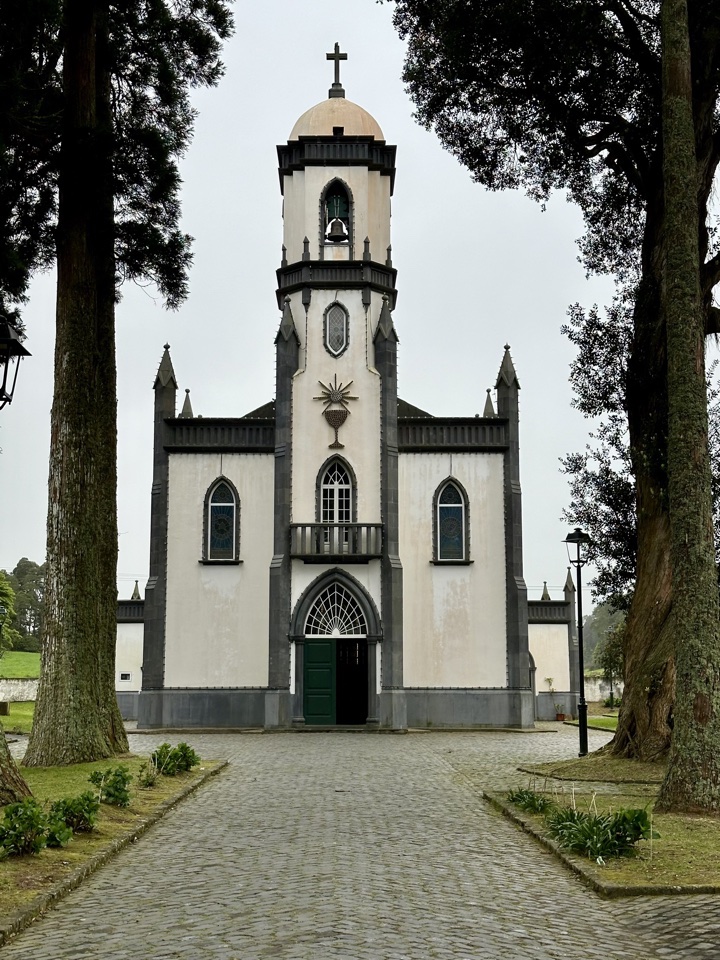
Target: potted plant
x=559, y=709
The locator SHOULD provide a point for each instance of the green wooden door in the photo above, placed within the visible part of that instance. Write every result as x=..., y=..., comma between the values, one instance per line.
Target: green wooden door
x=319, y=682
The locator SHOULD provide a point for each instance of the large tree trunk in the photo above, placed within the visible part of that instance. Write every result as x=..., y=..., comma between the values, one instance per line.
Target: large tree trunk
x=692, y=782
x=13, y=788
x=77, y=717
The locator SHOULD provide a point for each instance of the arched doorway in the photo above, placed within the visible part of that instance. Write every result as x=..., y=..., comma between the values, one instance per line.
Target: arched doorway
x=335, y=667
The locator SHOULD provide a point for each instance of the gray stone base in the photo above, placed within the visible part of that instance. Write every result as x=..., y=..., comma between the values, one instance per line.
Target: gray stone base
x=548, y=703
x=201, y=708
x=278, y=713
x=271, y=709
x=469, y=708
x=393, y=710
x=128, y=704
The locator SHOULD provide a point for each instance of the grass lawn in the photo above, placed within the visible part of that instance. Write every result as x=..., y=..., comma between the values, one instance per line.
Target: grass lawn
x=18, y=665
x=598, y=723
x=22, y=879
x=687, y=851
x=20, y=718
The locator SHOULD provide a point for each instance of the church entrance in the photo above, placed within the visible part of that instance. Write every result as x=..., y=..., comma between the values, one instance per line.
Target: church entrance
x=335, y=670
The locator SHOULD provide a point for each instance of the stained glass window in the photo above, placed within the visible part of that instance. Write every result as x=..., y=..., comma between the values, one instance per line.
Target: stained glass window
x=451, y=520
x=221, y=523
x=336, y=330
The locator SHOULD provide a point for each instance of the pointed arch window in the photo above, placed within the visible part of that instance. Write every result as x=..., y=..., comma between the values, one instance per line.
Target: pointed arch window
x=337, y=613
x=222, y=523
x=336, y=213
x=336, y=329
x=336, y=494
x=451, y=524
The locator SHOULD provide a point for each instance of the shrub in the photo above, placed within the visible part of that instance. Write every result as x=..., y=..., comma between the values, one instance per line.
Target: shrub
x=601, y=836
x=78, y=813
x=113, y=785
x=58, y=832
x=173, y=760
x=530, y=800
x=615, y=703
x=147, y=775
x=24, y=828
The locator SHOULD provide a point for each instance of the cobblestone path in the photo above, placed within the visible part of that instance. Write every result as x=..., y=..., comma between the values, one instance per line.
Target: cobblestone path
x=347, y=846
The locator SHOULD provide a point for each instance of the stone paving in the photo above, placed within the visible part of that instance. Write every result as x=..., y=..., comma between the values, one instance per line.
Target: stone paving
x=342, y=846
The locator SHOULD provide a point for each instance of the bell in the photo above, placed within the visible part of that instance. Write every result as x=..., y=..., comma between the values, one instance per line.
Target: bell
x=337, y=233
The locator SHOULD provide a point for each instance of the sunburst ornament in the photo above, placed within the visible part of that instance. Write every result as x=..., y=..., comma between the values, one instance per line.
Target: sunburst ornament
x=339, y=394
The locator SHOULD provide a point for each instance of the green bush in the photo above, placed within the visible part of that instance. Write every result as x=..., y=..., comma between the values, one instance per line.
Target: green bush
x=173, y=760
x=600, y=836
x=58, y=832
x=113, y=785
x=78, y=813
x=613, y=704
x=24, y=828
x=147, y=775
x=530, y=800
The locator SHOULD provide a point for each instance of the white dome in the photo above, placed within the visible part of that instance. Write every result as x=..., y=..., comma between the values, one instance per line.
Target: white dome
x=320, y=120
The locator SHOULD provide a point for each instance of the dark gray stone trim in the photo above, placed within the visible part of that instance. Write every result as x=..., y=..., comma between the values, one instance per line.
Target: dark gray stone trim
x=452, y=563
x=208, y=708
x=518, y=662
x=549, y=611
x=220, y=563
x=469, y=707
x=206, y=512
x=336, y=275
x=392, y=706
x=130, y=611
x=461, y=434
x=286, y=364
x=229, y=435
x=153, y=668
x=331, y=151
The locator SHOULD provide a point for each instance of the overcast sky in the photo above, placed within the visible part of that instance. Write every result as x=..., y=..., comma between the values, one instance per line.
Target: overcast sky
x=507, y=273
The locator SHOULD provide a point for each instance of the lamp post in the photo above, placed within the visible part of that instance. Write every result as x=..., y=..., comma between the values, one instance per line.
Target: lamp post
x=580, y=539
x=11, y=353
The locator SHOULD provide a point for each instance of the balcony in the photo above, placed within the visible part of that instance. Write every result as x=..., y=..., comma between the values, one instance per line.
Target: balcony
x=336, y=542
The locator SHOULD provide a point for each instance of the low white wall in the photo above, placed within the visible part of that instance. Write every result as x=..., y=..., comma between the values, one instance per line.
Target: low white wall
x=128, y=657
x=18, y=690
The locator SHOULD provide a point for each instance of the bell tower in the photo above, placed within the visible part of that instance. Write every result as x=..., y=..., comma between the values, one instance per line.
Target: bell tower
x=336, y=411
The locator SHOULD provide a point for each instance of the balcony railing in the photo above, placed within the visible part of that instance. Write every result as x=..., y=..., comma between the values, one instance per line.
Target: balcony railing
x=334, y=542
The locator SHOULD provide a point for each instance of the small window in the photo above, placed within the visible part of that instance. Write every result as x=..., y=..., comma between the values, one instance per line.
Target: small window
x=221, y=523
x=336, y=329
x=126, y=676
x=451, y=524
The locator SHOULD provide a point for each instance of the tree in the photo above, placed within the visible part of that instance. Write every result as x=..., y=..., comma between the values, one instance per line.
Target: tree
x=8, y=634
x=565, y=94
x=596, y=627
x=692, y=781
x=28, y=581
x=609, y=655
x=125, y=119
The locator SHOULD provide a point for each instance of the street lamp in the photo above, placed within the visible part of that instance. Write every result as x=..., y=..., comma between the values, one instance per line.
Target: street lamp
x=580, y=540
x=11, y=352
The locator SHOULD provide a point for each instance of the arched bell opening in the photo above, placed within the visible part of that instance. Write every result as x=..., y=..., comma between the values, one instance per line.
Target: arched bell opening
x=336, y=216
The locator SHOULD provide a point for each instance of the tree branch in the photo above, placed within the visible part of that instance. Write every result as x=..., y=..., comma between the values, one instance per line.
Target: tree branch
x=628, y=20
x=710, y=273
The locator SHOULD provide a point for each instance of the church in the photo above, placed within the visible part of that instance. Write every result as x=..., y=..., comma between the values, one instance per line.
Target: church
x=338, y=556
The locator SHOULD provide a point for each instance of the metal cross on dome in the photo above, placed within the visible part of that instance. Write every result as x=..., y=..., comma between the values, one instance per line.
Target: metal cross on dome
x=336, y=90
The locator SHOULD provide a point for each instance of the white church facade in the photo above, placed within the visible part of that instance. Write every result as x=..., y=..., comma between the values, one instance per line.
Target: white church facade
x=338, y=556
